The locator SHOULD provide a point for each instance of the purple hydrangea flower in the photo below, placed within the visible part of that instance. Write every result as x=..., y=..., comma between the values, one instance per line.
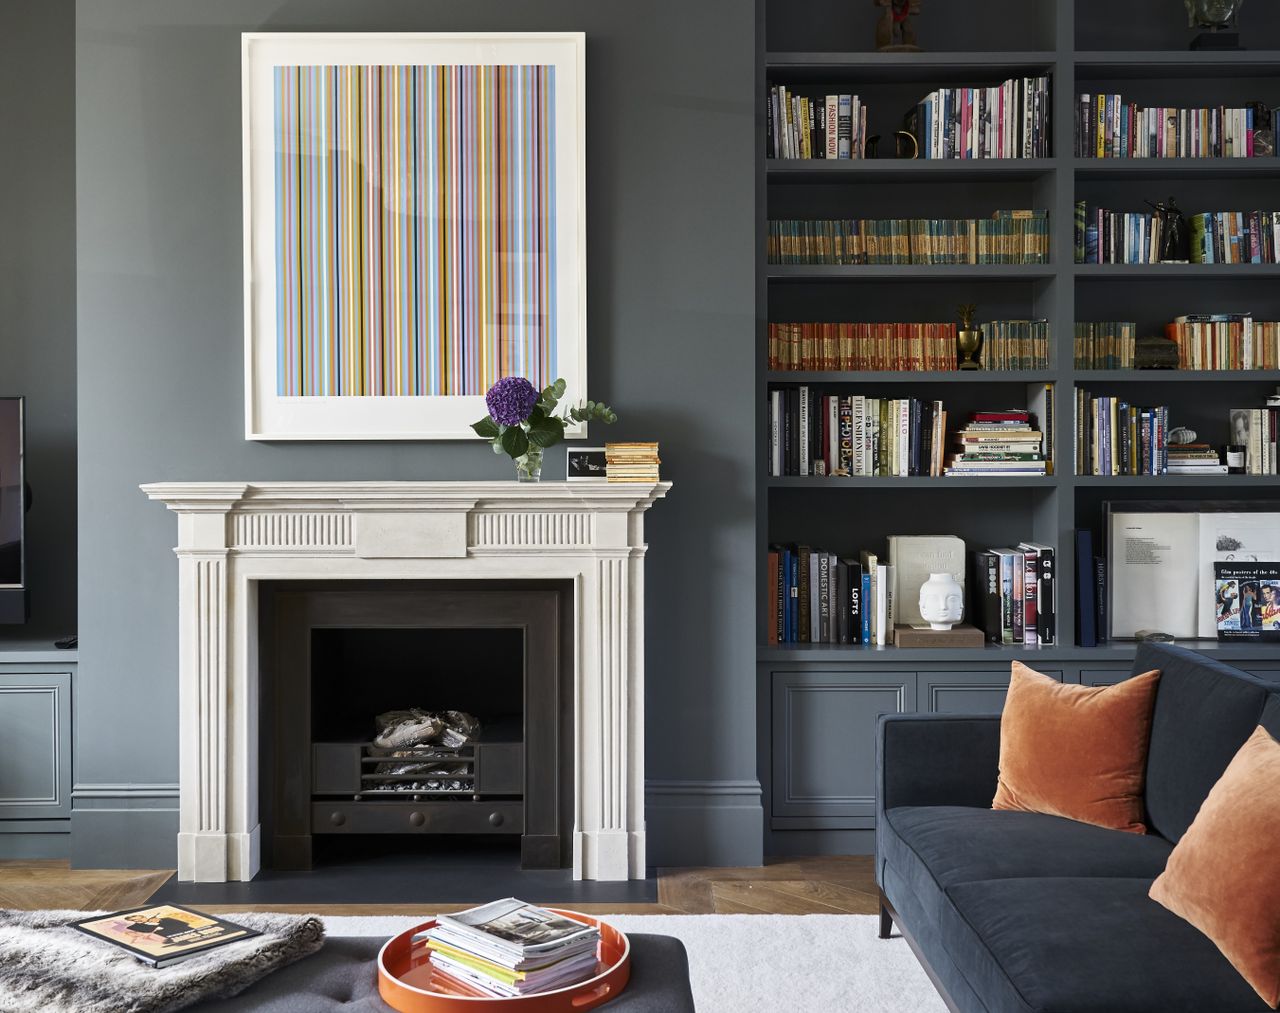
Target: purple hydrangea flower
x=511, y=400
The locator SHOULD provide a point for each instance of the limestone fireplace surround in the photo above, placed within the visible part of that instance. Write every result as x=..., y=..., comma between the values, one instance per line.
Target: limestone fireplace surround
x=231, y=535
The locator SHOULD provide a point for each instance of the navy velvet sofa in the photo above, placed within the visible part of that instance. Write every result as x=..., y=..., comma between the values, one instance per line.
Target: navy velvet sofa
x=1014, y=912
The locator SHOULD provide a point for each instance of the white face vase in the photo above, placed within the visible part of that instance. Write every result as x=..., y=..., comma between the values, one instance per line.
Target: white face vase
x=941, y=601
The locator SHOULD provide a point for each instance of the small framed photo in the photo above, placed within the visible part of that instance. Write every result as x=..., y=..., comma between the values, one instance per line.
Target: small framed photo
x=585, y=462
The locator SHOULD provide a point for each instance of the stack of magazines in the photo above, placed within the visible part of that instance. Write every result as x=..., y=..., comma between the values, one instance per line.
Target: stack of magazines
x=510, y=948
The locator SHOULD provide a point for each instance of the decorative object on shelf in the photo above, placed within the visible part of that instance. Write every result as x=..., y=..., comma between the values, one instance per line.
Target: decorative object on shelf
x=1216, y=16
x=960, y=635
x=521, y=422
x=1155, y=352
x=941, y=601
x=1181, y=435
x=895, y=31
x=1153, y=637
x=1234, y=456
x=1175, y=240
x=401, y=342
x=968, y=338
x=905, y=144
x=584, y=463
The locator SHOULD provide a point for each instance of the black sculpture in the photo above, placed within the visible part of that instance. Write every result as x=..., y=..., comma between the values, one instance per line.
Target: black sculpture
x=1175, y=239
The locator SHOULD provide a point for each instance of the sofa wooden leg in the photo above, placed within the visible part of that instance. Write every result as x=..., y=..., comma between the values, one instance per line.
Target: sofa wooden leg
x=886, y=921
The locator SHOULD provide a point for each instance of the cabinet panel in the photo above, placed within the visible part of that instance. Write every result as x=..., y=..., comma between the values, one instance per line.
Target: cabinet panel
x=1266, y=674
x=1103, y=676
x=967, y=692
x=824, y=725
x=35, y=727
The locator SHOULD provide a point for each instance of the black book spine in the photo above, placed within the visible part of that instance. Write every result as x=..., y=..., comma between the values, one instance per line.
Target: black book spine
x=803, y=631
x=1048, y=600
x=780, y=596
x=768, y=132
x=842, y=603
x=987, y=588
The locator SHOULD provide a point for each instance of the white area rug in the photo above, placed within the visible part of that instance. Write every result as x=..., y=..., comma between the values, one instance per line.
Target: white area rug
x=767, y=963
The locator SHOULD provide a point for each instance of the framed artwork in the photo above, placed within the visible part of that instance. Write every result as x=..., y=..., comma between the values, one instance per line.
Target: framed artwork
x=414, y=229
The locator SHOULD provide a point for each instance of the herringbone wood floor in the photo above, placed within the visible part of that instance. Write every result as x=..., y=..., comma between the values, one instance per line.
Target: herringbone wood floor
x=835, y=885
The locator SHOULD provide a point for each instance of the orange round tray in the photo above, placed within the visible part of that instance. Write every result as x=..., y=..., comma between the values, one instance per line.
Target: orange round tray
x=405, y=978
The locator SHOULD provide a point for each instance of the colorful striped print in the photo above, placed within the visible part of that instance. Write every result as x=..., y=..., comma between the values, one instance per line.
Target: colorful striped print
x=415, y=229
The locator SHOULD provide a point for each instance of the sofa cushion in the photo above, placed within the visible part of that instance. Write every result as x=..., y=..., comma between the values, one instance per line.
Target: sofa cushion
x=1068, y=945
x=1224, y=875
x=1076, y=751
x=1271, y=716
x=1204, y=711
x=936, y=847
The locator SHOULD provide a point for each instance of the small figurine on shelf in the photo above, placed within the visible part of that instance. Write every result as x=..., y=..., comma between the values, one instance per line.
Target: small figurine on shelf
x=895, y=32
x=1175, y=239
x=1215, y=15
x=968, y=338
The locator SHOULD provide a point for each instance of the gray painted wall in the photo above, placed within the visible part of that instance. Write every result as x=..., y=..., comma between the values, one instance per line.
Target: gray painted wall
x=37, y=291
x=670, y=178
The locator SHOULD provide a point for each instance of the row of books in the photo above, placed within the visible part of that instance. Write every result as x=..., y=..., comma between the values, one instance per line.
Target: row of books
x=1109, y=127
x=830, y=126
x=1016, y=594
x=1008, y=120
x=1105, y=344
x=1103, y=236
x=1225, y=341
x=853, y=435
x=903, y=347
x=1007, y=237
x=631, y=462
x=1255, y=429
x=817, y=597
x=1006, y=442
x=1234, y=237
x=1114, y=437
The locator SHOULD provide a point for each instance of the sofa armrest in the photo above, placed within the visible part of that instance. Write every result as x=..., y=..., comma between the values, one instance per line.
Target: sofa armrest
x=936, y=759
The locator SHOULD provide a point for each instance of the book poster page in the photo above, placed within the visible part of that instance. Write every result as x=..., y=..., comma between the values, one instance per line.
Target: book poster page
x=1241, y=538
x=1154, y=573
x=162, y=931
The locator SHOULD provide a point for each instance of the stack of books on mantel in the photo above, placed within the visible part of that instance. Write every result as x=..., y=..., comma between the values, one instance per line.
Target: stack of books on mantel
x=1194, y=459
x=631, y=462
x=998, y=443
x=510, y=949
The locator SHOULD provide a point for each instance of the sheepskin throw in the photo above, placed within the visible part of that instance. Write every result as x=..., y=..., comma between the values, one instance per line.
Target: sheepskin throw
x=48, y=967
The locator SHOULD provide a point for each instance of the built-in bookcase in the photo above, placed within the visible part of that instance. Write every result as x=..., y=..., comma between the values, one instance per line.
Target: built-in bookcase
x=818, y=784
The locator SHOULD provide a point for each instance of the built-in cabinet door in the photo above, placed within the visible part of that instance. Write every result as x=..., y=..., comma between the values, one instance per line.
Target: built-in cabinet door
x=824, y=746
x=35, y=730
x=967, y=692
x=1103, y=676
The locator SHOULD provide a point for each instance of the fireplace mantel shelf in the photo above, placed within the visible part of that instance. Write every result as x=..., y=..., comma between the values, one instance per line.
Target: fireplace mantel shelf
x=234, y=535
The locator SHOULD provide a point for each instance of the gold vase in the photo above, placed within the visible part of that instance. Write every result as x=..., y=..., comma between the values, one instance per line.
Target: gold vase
x=968, y=339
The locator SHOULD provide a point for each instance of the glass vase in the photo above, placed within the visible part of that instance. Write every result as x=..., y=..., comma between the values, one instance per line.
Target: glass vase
x=529, y=465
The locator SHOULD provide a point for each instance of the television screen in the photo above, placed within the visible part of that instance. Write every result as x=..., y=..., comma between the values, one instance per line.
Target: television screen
x=11, y=492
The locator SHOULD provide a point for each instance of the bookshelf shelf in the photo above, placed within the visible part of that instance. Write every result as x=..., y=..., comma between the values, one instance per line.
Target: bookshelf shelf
x=831, y=484
x=1119, y=650
x=939, y=68
x=1177, y=375
x=1176, y=63
x=1126, y=272
x=907, y=170
x=1222, y=484
x=1110, y=169
x=909, y=272
x=912, y=377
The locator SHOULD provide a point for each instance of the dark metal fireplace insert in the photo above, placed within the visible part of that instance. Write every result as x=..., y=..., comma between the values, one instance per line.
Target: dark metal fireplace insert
x=332, y=657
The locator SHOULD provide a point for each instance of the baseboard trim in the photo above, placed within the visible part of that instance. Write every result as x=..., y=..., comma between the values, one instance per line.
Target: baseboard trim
x=716, y=823
x=124, y=837
x=43, y=844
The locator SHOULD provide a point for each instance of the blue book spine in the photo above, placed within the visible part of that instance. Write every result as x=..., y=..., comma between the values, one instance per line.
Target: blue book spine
x=1086, y=608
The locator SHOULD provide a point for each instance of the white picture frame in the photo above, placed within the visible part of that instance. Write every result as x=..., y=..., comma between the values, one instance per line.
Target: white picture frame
x=318, y=376
x=584, y=464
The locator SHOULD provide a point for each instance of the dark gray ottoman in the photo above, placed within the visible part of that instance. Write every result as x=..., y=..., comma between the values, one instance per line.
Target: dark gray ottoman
x=343, y=977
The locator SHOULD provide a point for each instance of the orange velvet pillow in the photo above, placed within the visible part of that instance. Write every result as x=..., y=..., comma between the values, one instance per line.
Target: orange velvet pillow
x=1224, y=875
x=1076, y=751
